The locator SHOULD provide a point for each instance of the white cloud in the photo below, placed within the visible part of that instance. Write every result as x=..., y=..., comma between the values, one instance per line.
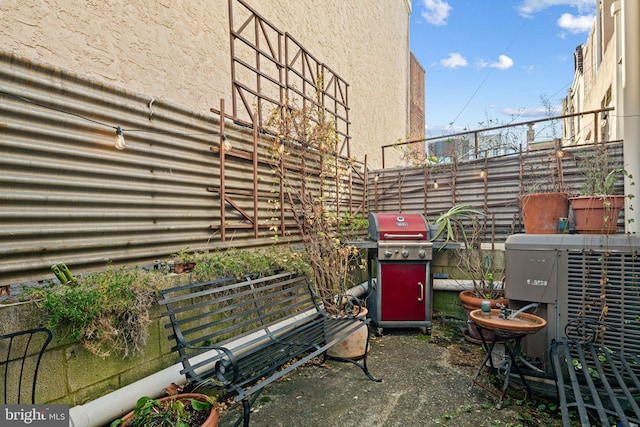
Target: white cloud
x=536, y=112
x=436, y=12
x=454, y=60
x=528, y=8
x=503, y=63
x=438, y=130
x=576, y=24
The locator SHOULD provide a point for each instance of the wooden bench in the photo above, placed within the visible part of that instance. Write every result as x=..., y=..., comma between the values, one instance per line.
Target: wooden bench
x=603, y=380
x=242, y=335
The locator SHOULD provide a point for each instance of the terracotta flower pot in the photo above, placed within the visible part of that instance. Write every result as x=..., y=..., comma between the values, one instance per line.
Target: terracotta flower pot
x=597, y=214
x=183, y=267
x=211, y=421
x=471, y=302
x=353, y=346
x=541, y=212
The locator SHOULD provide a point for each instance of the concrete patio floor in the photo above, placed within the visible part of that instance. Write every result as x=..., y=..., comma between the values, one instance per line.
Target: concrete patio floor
x=426, y=382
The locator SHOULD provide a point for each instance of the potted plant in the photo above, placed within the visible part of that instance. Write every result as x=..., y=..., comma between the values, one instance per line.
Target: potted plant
x=184, y=261
x=480, y=266
x=180, y=410
x=544, y=201
x=597, y=209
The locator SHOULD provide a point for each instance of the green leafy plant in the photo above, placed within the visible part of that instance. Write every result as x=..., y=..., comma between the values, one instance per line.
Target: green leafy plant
x=185, y=255
x=168, y=413
x=599, y=172
x=238, y=262
x=106, y=311
x=451, y=224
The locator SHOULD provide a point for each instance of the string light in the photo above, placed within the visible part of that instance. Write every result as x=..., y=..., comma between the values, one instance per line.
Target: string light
x=560, y=154
x=226, y=142
x=119, y=143
x=483, y=173
x=435, y=183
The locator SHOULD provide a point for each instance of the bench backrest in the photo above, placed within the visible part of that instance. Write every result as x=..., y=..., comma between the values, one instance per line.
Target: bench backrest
x=216, y=313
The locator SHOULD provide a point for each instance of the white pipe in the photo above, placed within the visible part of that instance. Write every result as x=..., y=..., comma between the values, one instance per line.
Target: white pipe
x=438, y=285
x=457, y=285
x=359, y=290
x=618, y=113
x=631, y=105
x=103, y=410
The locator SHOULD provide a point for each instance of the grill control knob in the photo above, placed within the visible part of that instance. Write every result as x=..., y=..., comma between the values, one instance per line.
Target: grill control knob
x=422, y=253
x=405, y=253
x=387, y=253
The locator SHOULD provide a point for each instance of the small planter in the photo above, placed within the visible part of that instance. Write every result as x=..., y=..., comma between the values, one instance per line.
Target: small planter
x=353, y=346
x=210, y=421
x=597, y=214
x=183, y=267
x=541, y=212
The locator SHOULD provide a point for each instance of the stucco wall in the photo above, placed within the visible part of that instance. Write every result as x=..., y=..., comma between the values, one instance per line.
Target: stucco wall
x=179, y=50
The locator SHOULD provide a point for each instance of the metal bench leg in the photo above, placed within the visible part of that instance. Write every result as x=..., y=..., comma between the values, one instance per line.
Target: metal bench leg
x=362, y=365
x=246, y=412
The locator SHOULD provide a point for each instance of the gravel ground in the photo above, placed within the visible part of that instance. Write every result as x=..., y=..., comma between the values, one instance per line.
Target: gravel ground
x=426, y=382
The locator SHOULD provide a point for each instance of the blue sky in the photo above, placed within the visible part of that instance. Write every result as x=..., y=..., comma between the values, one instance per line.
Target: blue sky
x=496, y=59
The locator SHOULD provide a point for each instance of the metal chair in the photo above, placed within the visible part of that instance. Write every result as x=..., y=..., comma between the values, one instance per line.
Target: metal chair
x=21, y=354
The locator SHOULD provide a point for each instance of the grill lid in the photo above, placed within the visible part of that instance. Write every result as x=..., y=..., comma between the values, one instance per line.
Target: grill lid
x=398, y=226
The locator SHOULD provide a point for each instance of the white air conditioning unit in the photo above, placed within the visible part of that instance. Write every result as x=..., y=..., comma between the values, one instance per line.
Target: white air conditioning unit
x=596, y=277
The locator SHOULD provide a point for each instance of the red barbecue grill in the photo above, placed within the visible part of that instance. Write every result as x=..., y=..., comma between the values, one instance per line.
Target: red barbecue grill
x=400, y=296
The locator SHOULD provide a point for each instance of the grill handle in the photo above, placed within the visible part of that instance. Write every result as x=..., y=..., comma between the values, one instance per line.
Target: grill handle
x=388, y=236
x=421, y=292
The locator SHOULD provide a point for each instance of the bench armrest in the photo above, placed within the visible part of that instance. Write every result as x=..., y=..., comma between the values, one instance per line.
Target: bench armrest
x=226, y=367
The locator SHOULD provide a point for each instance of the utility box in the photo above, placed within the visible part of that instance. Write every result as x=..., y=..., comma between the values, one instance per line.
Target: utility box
x=596, y=277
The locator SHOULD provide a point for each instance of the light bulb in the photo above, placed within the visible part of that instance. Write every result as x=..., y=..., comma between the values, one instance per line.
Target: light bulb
x=435, y=183
x=226, y=144
x=119, y=142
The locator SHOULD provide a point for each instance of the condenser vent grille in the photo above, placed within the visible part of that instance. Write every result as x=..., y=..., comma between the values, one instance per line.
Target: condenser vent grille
x=605, y=287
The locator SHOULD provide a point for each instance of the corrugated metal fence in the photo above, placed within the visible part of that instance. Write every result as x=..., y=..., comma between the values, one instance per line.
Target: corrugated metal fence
x=491, y=185
x=69, y=195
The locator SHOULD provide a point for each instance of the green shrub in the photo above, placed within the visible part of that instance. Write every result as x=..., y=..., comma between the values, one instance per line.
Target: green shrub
x=106, y=311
